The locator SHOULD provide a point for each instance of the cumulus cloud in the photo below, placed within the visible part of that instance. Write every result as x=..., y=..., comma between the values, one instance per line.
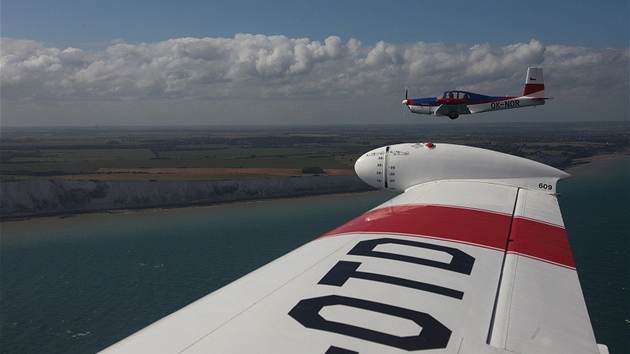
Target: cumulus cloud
x=260, y=67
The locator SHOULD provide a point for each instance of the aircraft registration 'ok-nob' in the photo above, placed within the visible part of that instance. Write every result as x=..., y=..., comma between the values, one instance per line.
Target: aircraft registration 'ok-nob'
x=470, y=257
x=453, y=103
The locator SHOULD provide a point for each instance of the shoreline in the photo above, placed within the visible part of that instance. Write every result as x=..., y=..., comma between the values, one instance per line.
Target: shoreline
x=37, y=229
x=63, y=198
x=586, y=161
x=128, y=211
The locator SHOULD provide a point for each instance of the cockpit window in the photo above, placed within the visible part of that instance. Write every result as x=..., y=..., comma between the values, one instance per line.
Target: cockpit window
x=457, y=94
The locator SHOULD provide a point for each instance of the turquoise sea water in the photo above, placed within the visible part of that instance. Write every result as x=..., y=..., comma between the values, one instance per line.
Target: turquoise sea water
x=595, y=204
x=79, y=284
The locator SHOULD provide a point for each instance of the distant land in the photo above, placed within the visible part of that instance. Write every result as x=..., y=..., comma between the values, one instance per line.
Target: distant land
x=56, y=171
x=226, y=153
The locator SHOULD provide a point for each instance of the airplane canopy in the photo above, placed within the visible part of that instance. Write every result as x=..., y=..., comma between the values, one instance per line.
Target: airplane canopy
x=465, y=96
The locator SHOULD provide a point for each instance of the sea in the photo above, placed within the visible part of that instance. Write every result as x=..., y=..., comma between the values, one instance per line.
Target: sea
x=78, y=284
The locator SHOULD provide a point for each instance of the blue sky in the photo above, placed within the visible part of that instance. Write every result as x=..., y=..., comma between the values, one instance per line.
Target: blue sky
x=81, y=23
x=74, y=62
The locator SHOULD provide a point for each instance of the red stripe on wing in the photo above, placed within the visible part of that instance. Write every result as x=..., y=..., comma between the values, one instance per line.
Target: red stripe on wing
x=541, y=241
x=529, y=238
x=450, y=223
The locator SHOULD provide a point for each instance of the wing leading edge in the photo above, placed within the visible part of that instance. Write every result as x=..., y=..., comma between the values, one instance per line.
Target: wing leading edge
x=454, y=266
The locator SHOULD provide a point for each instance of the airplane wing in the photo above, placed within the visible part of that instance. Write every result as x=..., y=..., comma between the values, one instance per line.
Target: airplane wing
x=446, y=109
x=478, y=263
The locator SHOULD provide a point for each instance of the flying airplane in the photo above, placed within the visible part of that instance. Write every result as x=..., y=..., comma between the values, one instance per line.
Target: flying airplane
x=455, y=102
x=471, y=256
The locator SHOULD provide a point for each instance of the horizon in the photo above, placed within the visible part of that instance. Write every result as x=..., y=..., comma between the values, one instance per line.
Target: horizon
x=263, y=127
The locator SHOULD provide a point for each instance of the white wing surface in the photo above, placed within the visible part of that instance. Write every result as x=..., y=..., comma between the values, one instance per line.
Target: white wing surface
x=455, y=265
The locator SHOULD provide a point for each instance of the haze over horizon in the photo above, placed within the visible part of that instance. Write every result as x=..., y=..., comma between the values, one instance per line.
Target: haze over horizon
x=77, y=63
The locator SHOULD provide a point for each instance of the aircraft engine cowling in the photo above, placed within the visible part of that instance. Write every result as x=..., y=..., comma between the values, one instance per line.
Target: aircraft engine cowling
x=399, y=167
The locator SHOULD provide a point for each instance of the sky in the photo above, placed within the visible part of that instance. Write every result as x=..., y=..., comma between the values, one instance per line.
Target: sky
x=195, y=62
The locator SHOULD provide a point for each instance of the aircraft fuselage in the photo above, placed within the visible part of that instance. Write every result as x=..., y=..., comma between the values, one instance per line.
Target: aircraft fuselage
x=468, y=103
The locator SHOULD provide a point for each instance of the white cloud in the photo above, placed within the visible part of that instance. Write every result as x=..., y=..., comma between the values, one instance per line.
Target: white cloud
x=258, y=68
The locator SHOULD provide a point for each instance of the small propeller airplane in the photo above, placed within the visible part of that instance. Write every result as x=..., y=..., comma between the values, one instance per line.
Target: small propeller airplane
x=456, y=102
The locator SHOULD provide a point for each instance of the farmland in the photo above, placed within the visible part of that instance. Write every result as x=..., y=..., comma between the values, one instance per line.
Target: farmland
x=203, y=153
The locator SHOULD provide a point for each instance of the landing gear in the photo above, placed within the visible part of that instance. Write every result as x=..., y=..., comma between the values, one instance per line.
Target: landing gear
x=453, y=115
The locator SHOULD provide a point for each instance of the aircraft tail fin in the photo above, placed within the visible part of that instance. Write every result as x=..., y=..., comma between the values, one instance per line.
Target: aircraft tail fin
x=534, y=83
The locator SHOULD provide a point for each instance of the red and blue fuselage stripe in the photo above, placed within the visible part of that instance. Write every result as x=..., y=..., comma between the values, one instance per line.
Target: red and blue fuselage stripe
x=472, y=99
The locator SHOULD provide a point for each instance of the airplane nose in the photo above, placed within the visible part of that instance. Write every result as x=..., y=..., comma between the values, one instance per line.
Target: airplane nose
x=404, y=102
x=371, y=167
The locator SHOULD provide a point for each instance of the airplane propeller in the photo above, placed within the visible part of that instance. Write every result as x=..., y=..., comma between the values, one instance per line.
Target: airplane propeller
x=405, y=101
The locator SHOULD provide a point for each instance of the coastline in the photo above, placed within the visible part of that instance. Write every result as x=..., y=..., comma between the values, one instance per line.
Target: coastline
x=594, y=161
x=34, y=230
x=264, y=189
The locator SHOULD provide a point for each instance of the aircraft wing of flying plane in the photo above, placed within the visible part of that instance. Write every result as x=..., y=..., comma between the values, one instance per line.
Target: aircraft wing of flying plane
x=454, y=103
x=471, y=257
